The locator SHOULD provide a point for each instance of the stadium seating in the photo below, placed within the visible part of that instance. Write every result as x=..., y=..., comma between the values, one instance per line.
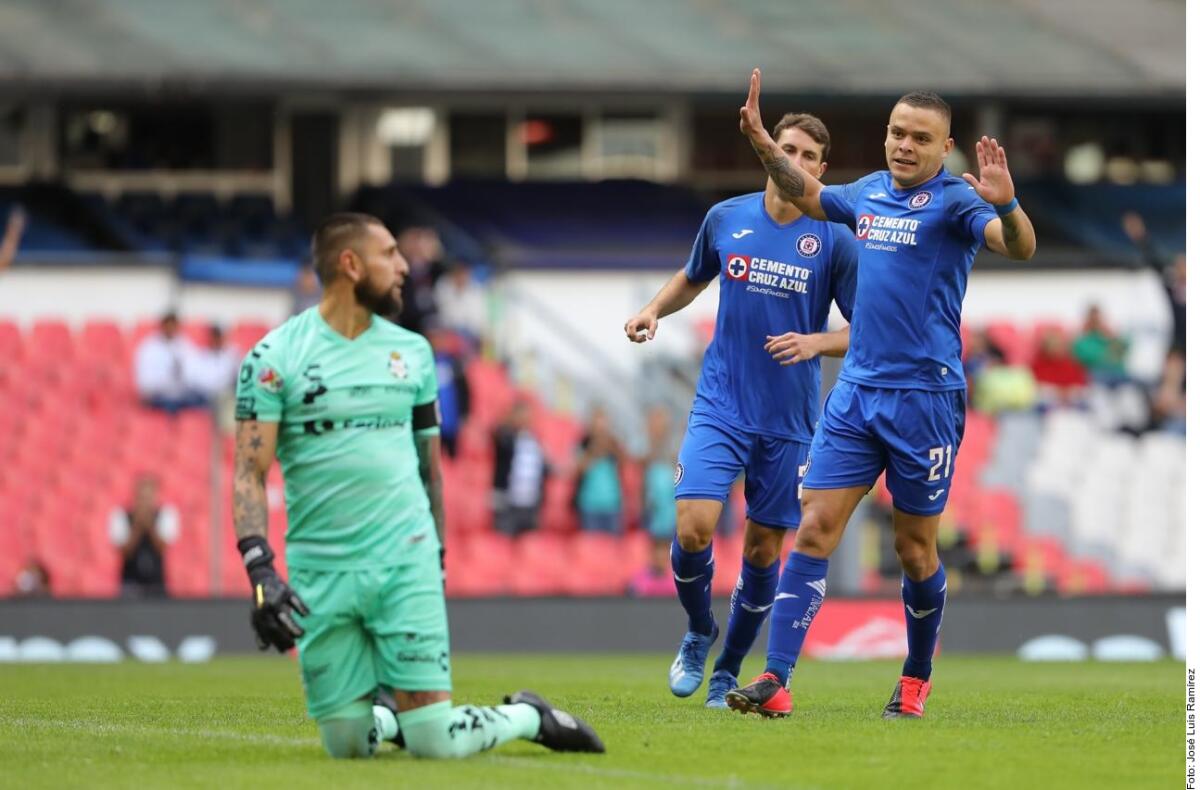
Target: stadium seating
x=1056, y=496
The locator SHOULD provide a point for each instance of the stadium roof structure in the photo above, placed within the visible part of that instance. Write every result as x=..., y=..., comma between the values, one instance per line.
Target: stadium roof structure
x=850, y=47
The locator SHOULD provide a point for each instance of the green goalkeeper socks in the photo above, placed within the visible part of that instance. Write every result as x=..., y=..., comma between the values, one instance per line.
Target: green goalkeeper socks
x=439, y=731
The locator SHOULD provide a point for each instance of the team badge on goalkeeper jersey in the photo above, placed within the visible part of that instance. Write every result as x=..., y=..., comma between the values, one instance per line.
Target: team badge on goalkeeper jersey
x=396, y=365
x=270, y=380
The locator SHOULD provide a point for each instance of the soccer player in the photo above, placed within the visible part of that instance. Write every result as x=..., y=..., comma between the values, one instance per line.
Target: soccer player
x=756, y=400
x=347, y=400
x=899, y=403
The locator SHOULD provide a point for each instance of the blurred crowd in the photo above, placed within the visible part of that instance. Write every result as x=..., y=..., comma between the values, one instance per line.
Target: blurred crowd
x=1083, y=368
x=1087, y=368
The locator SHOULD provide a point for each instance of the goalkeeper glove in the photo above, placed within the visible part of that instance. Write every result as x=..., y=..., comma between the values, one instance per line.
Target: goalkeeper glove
x=274, y=601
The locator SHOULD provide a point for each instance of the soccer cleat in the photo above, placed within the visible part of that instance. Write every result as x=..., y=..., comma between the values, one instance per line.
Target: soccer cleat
x=766, y=696
x=908, y=700
x=384, y=698
x=720, y=684
x=687, y=670
x=560, y=731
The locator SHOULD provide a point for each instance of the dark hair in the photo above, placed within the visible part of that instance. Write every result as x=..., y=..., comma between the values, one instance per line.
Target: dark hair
x=927, y=100
x=811, y=124
x=334, y=234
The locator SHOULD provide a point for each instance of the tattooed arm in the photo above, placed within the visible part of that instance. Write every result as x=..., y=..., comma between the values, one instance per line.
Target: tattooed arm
x=254, y=454
x=798, y=187
x=429, y=460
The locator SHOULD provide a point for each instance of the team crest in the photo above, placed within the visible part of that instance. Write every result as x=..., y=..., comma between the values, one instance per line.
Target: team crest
x=678, y=472
x=270, y=380
x=864, y=225
x=920, y=200
x=737, y=267
x=396, y=365
x=808, y=245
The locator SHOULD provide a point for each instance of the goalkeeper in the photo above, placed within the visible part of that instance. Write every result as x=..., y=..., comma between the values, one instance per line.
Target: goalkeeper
x=347, y=400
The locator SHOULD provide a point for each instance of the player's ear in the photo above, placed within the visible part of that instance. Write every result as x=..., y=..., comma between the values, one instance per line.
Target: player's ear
x=947, y=148
x=821, y=170
x=350, y=265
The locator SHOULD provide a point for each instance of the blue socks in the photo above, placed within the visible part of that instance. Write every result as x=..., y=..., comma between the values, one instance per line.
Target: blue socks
x=693, y=582
x=924, y=603
x=749, y=606
x=801, y=592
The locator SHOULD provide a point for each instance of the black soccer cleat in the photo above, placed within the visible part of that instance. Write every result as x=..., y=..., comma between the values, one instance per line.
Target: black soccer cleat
x=765, y=695
x=560, y=731
x=384, y=698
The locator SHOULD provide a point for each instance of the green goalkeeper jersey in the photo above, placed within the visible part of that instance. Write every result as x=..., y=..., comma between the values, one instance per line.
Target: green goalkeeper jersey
x=353, y=490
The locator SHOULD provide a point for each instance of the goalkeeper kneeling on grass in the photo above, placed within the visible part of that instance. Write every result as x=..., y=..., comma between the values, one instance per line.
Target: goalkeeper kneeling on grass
x=348, y=402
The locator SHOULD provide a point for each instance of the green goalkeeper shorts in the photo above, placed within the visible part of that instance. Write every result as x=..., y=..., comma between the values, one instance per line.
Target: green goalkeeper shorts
x=381, y=626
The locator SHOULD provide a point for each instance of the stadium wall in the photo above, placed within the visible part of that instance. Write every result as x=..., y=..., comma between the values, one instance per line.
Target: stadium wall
x=1103, y=628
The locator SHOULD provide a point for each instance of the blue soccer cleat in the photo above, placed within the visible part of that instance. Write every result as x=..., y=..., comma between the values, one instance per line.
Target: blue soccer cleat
x=687, y=671
x=720, y=684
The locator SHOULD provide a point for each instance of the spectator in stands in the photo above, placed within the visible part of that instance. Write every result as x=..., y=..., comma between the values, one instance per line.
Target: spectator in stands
x=598, y=496
x=658, y=470
x=454, y=391
x=306, y=291
x=422, y=248
x=141, y=533
x=1173, y=274
x=979, y=354
x=1099, y=349
x=462, y=303
x=520, y=472
x=32, y=581
x=1062, y=381
x=12, y=237
x=1169, y=401
x=160, y=366
x=212, y=370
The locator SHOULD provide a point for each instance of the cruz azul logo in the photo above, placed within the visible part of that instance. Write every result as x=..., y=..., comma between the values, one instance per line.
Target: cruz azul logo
x=808, y=245
x=763, y=276
x=864, y=225
x=737, y=267
x=885, y=233
x=920, y=200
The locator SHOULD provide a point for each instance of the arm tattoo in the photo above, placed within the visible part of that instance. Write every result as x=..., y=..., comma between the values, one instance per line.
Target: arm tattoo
x=249, y=490
x=429, y=461
x=1012, y=229
x=789, y=180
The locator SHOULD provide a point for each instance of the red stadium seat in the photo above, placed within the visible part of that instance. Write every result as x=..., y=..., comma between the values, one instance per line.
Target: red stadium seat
x=245, y=334
x=542, y=560
x=596, y=566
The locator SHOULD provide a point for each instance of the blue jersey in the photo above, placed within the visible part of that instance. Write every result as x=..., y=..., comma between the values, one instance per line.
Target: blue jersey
x=916, y=247
x=774, y=279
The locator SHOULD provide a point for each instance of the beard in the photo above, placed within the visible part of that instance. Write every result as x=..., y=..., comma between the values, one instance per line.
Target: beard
x=386, y=303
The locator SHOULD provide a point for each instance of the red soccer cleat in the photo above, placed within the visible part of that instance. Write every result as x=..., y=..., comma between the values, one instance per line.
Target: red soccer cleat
x=908, y=700
x=765, y=696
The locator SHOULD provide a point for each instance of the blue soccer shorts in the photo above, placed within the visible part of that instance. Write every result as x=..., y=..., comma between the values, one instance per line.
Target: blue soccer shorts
x=713, y=454
x=912, y=434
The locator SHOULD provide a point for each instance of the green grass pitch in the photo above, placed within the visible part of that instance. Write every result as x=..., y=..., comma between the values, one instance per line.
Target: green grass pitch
x=991, y=722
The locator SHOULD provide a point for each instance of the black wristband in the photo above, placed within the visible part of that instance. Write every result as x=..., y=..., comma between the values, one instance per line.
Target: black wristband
x=256, y=556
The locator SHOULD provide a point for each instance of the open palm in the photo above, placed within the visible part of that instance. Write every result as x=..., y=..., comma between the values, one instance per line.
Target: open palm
x=995, y=183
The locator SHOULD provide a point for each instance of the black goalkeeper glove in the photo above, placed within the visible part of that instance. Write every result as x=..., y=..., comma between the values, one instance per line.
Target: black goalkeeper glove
x=274, y=602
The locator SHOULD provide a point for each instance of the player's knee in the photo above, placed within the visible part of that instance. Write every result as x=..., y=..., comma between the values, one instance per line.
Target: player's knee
x=349, y=737
x=693, y=527
x=917, y=555
x=818, y=533
x=762, y=547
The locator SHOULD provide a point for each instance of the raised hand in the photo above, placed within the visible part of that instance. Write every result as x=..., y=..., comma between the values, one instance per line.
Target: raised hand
x=751, y=117
x=995, y=184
